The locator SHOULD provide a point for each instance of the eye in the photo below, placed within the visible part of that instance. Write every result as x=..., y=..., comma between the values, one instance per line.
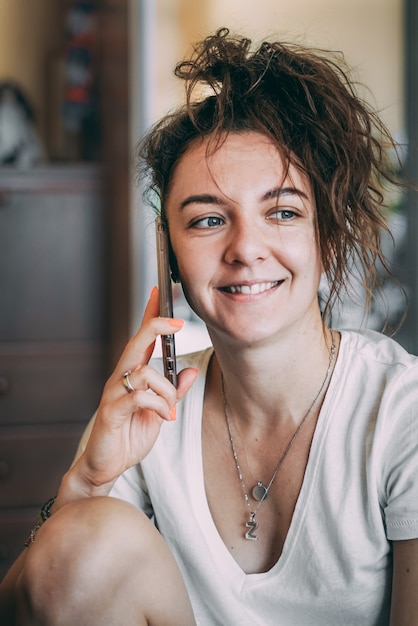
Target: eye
x=210, y=221
x=282, y=215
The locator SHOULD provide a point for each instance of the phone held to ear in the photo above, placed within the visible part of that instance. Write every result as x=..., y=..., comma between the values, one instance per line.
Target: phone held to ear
x=166, y=300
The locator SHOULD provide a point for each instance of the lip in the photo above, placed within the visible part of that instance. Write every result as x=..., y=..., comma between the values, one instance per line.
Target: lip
x=250, y=288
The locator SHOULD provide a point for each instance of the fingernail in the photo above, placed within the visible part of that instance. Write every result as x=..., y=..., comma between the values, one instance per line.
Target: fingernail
x=176, y=322
x=153, y=292
x=173, y=414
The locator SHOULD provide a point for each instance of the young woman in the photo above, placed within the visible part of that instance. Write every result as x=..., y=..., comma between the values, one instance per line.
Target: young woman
x=281, y=475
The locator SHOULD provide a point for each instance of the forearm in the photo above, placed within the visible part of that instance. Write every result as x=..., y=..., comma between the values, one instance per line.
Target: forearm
x=79, y=483
x=404, y=610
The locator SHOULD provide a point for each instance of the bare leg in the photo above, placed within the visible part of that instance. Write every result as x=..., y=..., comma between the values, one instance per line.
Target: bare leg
x=98, y=562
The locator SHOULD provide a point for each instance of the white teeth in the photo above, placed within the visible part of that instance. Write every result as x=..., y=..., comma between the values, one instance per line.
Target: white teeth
x=252, y=289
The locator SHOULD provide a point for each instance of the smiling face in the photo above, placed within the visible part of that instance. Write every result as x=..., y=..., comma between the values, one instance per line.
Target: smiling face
x=243, y=232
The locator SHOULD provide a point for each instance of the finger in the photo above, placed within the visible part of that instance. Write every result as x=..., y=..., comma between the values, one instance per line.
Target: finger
x=149, y=385
x=153, y=308
x=147, y=379
x=139, y=348
x=144, y=379
x=185, y=380
x=142, y=400
x=162, y=400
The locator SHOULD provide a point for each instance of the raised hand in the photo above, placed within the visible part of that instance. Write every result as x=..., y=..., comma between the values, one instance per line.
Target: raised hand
x=128, y=422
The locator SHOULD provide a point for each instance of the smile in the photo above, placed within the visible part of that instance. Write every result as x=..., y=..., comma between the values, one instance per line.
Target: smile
x=251, y=289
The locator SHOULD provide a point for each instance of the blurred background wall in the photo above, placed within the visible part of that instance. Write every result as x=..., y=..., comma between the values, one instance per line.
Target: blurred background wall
x=368, y=32
x=30, y=35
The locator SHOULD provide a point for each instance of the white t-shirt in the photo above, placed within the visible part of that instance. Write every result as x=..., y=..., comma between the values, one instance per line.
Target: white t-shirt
x=360, y=490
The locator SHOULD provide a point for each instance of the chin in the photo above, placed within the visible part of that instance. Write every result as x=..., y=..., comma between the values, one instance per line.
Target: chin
x=242, y=336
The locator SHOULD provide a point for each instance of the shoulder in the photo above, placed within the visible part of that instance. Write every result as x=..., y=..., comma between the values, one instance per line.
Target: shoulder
x=374, y=348
x=376, y=402
x=377, y=373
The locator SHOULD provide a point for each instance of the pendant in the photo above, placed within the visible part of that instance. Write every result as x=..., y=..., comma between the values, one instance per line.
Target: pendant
x=252, y=525
x=260, y=492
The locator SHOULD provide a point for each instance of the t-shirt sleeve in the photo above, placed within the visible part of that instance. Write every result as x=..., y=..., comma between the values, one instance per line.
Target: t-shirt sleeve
x=400, y=458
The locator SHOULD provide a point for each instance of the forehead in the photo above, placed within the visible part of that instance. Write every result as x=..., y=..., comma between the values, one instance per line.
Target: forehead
x=239, y=161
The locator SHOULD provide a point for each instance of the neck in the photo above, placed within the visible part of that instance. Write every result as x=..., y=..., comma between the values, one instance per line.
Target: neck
x=267, y=384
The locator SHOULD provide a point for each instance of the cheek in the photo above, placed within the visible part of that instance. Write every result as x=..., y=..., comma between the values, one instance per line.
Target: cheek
x=196, y=275
x=301, y=250
x=191, y=293
x=191, y=256
x=304, y=258
x=190, y=271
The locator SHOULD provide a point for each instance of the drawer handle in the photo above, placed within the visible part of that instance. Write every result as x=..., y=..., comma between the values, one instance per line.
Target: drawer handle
x=4, y=386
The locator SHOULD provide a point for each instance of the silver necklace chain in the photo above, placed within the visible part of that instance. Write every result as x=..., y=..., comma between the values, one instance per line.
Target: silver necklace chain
x=260, y=492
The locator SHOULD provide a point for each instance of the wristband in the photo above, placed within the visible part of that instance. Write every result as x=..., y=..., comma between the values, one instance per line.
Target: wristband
x=43, y=515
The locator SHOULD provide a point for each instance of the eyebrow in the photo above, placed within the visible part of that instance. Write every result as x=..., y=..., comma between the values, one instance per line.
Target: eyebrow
x=204, y=198
x=276, y=192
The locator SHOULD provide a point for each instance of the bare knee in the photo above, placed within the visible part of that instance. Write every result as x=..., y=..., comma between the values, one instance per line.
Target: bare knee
x=69, y=554
x=97, y=561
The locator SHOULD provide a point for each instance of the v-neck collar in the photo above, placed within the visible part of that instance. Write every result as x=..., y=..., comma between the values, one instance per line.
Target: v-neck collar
x=194, y=406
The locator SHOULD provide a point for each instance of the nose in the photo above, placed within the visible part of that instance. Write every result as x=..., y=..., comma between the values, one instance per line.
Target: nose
x=246, y=243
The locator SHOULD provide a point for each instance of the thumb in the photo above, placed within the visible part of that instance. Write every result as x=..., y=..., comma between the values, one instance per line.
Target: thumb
x=185, y=380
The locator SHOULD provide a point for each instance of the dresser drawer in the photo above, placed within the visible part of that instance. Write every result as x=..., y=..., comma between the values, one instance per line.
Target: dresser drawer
x=32, y=462
x=52, y=277
x=46, y=384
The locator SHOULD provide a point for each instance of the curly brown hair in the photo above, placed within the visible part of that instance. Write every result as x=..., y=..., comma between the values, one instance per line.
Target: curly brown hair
x=303, y=100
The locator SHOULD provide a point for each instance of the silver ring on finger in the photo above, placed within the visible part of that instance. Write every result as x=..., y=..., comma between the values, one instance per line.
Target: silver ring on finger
x=127, y=383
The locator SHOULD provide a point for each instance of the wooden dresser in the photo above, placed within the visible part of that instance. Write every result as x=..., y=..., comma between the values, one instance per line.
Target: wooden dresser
x=52, y=333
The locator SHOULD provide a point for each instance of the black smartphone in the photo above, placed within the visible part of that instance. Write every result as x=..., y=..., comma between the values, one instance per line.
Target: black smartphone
x=166, y=299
